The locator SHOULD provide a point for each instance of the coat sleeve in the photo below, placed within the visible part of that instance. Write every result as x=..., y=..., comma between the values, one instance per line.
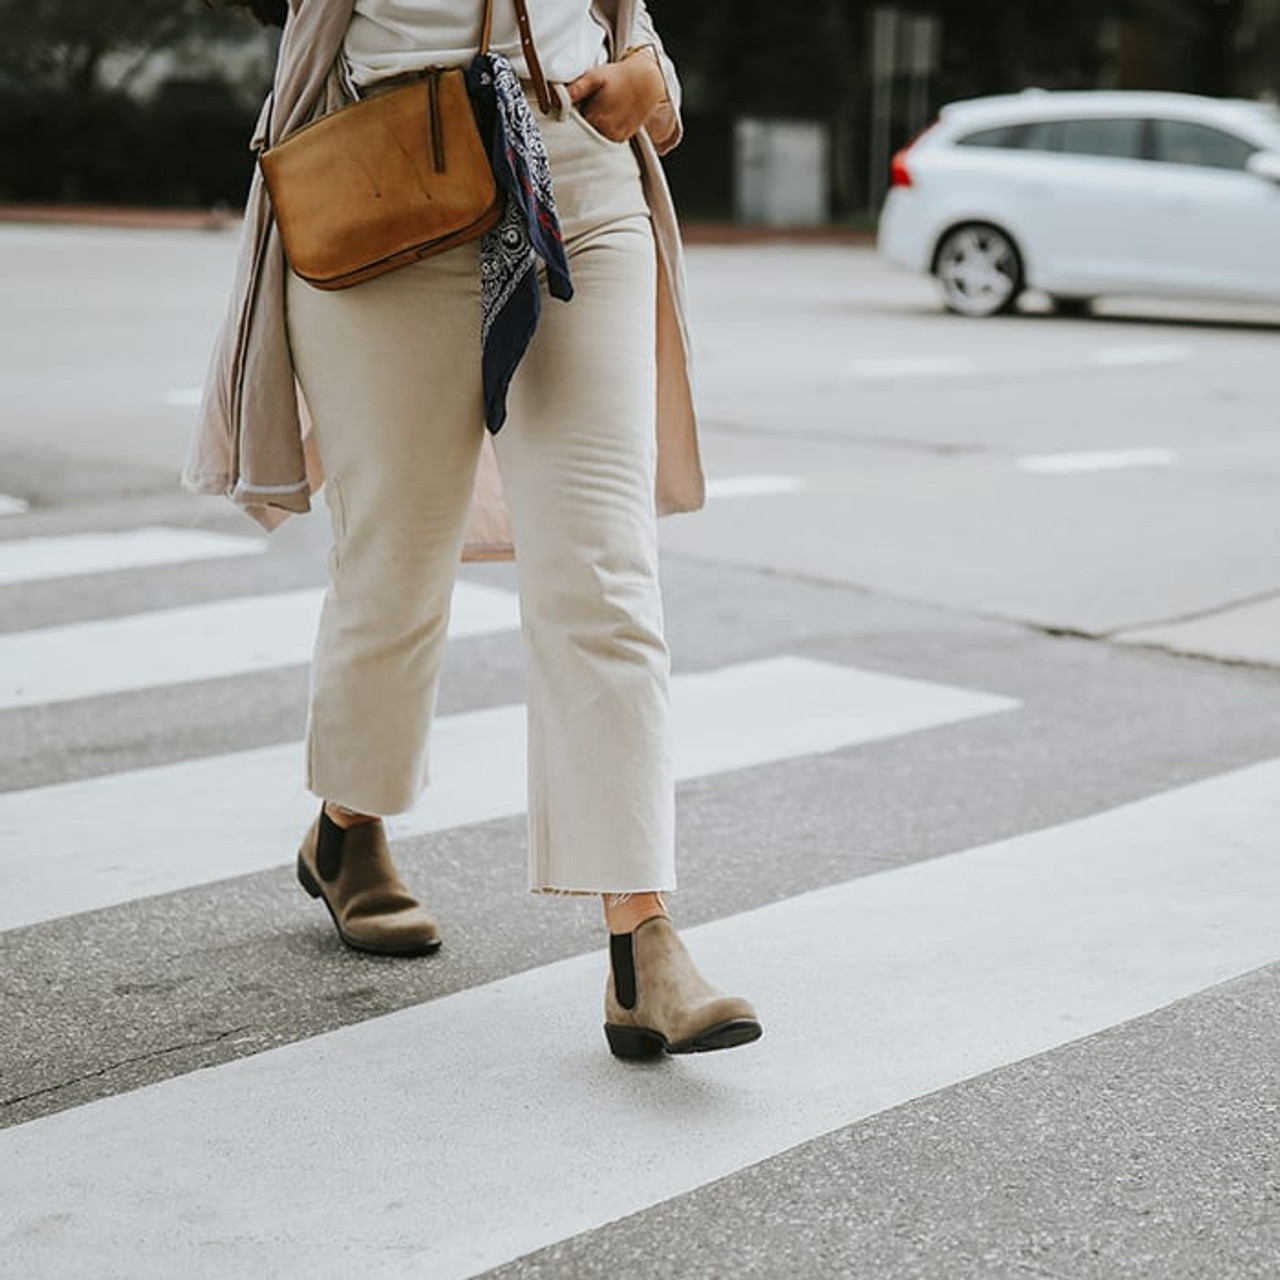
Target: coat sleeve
x=664, y=125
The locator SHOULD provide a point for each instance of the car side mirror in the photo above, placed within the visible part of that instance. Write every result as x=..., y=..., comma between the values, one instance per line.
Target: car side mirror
x=1266, y=164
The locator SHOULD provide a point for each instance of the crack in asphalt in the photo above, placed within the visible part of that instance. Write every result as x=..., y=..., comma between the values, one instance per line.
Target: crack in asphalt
x=1195, y=615
x=124, y=1062
x=1112, y=636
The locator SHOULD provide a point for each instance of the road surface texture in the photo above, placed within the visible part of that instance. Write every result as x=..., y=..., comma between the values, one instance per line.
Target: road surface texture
x=976, y=651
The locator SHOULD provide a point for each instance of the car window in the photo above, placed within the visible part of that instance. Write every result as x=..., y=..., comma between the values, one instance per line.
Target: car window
x=1120, y=137
x=1004, y=136
x=1185, y=142
x=1042, y=135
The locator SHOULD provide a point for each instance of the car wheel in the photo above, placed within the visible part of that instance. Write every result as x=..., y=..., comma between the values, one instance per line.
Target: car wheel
x=1072, y=307
x=979, y=270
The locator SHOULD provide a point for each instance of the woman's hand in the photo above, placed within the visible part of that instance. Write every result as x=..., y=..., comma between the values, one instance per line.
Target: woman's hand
x=618, y=97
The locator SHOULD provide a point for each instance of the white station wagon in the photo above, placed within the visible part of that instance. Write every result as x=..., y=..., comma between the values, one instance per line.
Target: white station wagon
x=1081, y=194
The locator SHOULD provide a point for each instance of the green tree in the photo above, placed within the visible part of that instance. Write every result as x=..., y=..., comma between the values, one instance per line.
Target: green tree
x=61, y=44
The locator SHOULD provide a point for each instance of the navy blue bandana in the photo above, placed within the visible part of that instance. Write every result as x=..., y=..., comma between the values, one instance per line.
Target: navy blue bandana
x=529, y=229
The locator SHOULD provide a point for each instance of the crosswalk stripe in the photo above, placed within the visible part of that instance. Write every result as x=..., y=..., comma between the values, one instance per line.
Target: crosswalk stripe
x=752, y=486
x=76, y=846
x=68, y=556
x=198, y=642
x=1097, y=460
x=873, y=993
x=1142, y=354
x=912, y=367
x=10, y=506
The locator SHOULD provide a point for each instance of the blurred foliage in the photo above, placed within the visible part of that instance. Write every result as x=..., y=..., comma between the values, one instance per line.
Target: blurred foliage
x=81, y=116
x=757, y=57
x=186, y=147
x=1219, y=47
x=72, y=126
x=761, y=57
x=61, y=44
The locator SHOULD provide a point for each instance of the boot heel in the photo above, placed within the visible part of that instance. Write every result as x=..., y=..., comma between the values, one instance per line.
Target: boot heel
x=633, y=1042
x=307, y=880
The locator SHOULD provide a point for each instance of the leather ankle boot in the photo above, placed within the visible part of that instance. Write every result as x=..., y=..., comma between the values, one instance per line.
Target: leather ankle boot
x=351, y=872
x=658, y=1002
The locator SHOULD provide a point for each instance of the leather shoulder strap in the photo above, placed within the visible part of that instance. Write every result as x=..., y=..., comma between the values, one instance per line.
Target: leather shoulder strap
x=531, y=56
x=526, y=43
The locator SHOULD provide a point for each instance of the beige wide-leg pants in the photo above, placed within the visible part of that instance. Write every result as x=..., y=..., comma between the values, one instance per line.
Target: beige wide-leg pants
x=391, y=373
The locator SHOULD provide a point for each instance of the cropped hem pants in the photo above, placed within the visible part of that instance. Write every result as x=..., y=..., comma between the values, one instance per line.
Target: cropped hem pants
x=390, y=370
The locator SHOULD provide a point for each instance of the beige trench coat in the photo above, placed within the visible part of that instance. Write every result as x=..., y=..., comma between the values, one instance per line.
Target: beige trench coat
x=252, y=439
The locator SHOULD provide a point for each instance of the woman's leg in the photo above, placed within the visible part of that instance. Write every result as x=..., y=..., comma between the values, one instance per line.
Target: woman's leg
x=390, y=372
x=578, y=460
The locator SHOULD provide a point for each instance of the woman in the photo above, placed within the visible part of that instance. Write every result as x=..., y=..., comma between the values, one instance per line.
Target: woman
x=600, y=420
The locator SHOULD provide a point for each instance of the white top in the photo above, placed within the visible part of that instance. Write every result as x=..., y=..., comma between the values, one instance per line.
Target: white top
x=391, y=37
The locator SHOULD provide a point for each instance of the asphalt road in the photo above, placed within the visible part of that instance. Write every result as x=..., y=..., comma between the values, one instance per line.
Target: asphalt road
x=978, y=724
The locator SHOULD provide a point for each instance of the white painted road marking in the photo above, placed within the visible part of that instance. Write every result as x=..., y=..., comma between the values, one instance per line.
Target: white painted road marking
x=1114, y=357
x=185, y=397
x=752, y=486
x=102, y=841
x=1097, y=460
x=198, y=642
x=913, y=367
x=35, y=559
x=13, y=506
x=872, y=993
x=1144, y=354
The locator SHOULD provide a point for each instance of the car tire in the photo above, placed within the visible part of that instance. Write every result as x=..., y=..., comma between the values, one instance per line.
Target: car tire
x=1072, y=307
x=979, y=270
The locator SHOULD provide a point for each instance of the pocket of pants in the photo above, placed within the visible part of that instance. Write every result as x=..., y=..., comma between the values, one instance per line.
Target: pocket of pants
x=591, y=130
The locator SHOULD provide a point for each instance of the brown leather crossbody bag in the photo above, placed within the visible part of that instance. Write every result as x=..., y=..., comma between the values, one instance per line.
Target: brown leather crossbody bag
x=391, y=178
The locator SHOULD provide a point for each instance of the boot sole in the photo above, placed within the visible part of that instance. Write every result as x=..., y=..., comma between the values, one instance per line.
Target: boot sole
x=312, y=887
x=635, y=1043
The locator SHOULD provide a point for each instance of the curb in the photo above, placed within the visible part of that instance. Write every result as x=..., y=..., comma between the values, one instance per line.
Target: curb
x=142, y=219
x=730, y=233
x=123, y=216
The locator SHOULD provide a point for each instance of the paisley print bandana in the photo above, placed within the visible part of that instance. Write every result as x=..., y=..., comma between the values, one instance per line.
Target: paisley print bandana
x=511, y=300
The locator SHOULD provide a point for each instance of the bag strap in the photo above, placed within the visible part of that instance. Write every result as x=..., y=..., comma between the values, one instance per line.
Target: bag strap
x=531, y=57
x=526, y=44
